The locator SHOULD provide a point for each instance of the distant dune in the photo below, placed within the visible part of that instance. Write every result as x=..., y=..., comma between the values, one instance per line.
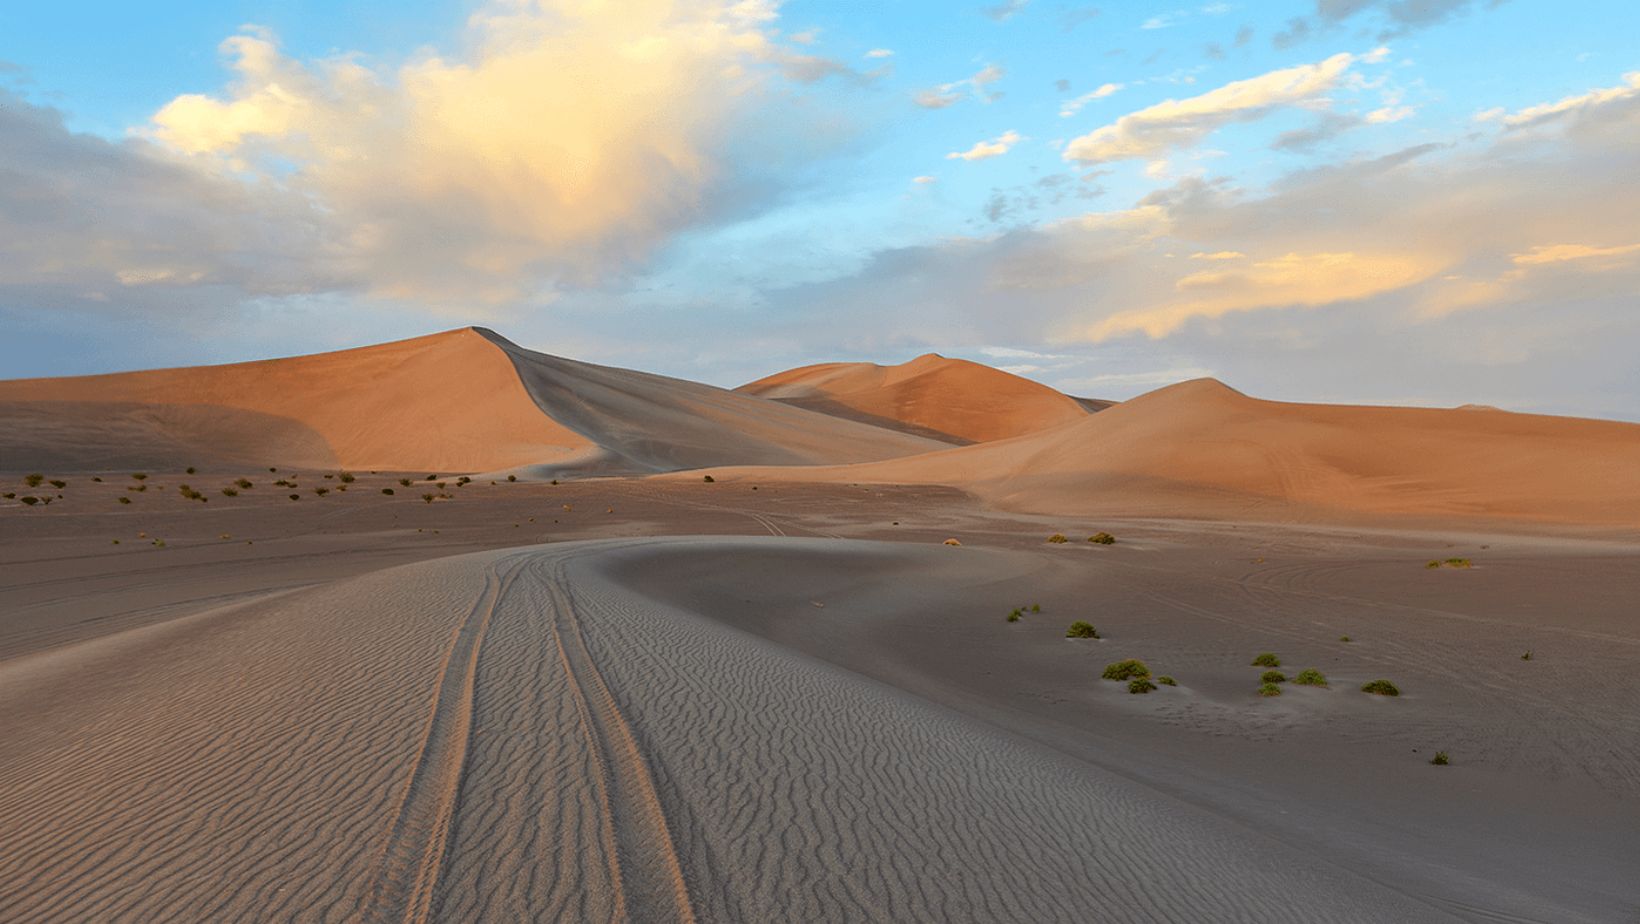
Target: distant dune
x=948, y=399
x=463, y=400
x=1200, y=448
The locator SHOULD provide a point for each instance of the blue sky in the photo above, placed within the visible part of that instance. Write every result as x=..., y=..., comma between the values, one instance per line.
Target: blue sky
x=1402, y=201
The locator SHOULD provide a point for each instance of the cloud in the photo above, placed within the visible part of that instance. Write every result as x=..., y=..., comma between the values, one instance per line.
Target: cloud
x=924, y=180
x=1567, y=253
x=1570, y=105
x=957, y=90
x=1395, y=18
x=880, y=53
x=1005, y=10
x=983, y=150
x=1153, y=131
x=1219, y=255
x=490, y=176
x=1073, y=106
x=1389, y=114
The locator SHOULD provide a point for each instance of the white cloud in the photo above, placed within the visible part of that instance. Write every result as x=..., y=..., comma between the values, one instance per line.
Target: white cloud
x=1389, y=114
x=983, y=150
x=1152, y=131
x=948, y=93
x=1073, y=106
x=880, y=53
x=1629, y=88
x=924, y=180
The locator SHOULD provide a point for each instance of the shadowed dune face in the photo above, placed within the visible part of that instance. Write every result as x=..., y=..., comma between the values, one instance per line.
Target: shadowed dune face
x=650, y=423
x=1201, y=448
x=448, y=401
x=950, y=399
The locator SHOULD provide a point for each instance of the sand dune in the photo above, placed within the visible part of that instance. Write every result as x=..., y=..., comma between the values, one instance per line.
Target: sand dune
x=948, y=399
x=464, y=400
x=1200, y=448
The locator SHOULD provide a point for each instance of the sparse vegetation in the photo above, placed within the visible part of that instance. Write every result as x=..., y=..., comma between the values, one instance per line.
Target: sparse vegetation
x=1440, y=759
x=1013, y=616
x=1140, y=685
x=230, y=492
x=243, y=484
x=706, y=478
x=190, y=470
x=1527, y=656
x=1126, y=670
x=321, y=491
x=138, y=487
x=431, y=478
x=1343, y=638
x=403, y=483
x=57, y=484
x=1102, y=539
x=1449, y=563
x=29, y=499
x=429, y=497
x=1380, y=688
x=1081, y=629
x=1058, y=538
x=34, y=480
x=512, y=477
x=1272, y=677
x=1266, y=659
x=140, y=476
x=295, y=497
x=1167, y=681
x=1036, y=607
x=387, y=490
x=347, y=477
x=1269, y=689
x=1310, y=677
x=10, y=494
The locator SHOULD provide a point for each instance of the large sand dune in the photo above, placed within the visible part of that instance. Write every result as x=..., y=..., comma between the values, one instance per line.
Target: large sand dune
x=949, y=399
x=464, y=400
x=1200, y=448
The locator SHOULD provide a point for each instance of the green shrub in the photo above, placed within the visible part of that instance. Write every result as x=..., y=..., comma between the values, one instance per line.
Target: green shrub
x=708, y=479
x=96, y=479
x=321, y=491
x=512, y=477
x=1014, y=616
x=440, y=486
x=1057, y=538
x=404, y=482
x=1527, y=656
x=1080, y=629
x=124, y=500
x=1269, y=689
x=430, y=478
x=1272, y=677
x=296, y=497
x=140, y=476
x=387, y=490
x=34, y=480
x=29, y=499
x=57, y=484
x=1380, y=688
x=243, y=483
x=230, y=492
x=1102, y=539
x=1343, y=638
x=347, y=477
x=10, y=494
x=1036, y=607
x=1126, y=670
x=1140, y=685
x=1440, y=759
x=1266, y=659
x=1310, y=677
x=190, y=470
x=428, y=497
x=1167, y=681
x=1457, y=563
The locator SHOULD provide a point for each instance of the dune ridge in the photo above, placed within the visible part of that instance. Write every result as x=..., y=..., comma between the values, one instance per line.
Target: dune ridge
x=1201, y=448
x=954, y=400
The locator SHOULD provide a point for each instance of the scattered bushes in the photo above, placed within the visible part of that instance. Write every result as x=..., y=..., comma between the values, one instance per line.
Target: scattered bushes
x=1380, y=688
x=1167, y=681
x=1272, y=677
x=34, y=480
x=1266, y=659
x=1269, y=689
x=1058, y=538
x=1126, y=670
x=1140, y=685
x=1081, y=629
x=1310, y=677
x=1449, y=563
x=1102, y=539
x=1440, y=759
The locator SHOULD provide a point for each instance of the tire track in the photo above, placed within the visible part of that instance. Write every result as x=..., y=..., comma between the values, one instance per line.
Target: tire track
x=402, y=890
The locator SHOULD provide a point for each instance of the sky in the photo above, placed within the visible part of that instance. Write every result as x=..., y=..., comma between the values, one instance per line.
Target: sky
x=1420, y=202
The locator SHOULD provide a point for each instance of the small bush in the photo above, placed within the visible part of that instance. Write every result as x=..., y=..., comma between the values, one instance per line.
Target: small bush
x=387, y=490
x=1126, y=670
x=431, y=478
x=347, y=477
x=10, y=494
x=952, y=542
x=429, y=497
x=296, y=497
x=1449, y=563
x=1310, y=677
x=321, y=491
x=96, y=479
x=1057, y=538
x=1380, y=688
x=140, y=476
x=230, y=492
x=1440, y=759
x=1080, y=629
x=1167, y=681
x=1140, y=685
x=1343, y=638
x=190, y=470
x=1014, y=616
x=440, y=486
x=33, y=481
x=1527, y=656
x=1272, y=677
x=243, y=483
x=29, y=499
x=1266, y=659
x=1269, y=689
x=57, y=484
x=1036, y=607
x=404, y=482
x=139, y=487
x=123, y=500
x=512, y=477
x=1102, y=539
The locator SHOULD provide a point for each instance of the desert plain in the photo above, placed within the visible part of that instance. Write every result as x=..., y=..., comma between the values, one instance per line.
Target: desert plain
x=452, y=630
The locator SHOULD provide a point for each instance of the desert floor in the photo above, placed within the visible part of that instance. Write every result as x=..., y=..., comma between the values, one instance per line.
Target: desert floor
x=656, y=700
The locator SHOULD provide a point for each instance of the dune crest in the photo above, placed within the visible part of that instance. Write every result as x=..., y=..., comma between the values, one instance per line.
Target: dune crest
x=953, y=400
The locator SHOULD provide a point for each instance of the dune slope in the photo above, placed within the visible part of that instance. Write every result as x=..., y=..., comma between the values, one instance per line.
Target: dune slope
x=1200, y=448
x=949, y=399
